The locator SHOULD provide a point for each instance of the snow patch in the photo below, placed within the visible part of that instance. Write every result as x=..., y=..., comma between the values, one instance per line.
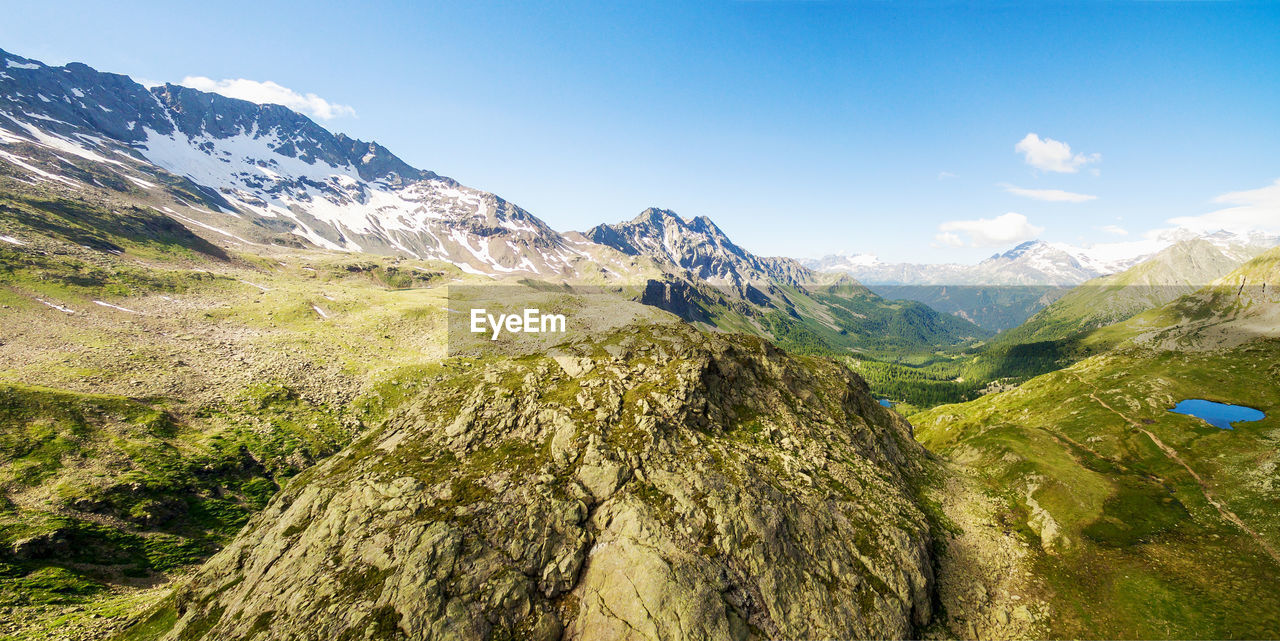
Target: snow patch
x=123, y=309
x=9, y=137
x=192, y=221
x=56, y=306
x=20, y=161
x=64, y=145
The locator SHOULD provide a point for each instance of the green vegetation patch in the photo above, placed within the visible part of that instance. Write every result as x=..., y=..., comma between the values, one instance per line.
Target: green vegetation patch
x=1139, y=510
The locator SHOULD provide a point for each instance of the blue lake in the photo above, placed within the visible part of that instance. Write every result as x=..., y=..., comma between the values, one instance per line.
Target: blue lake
x=1218, y=414
x=886, y=402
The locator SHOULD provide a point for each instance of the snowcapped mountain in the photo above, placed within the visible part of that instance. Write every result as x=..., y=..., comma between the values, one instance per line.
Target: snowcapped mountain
x=1180, y=269
x=262, y=173
x=711, y=280
x=1042, y=263
x=842, y=262
x=1031, y=263
x=699, y=247
x=1034, y=263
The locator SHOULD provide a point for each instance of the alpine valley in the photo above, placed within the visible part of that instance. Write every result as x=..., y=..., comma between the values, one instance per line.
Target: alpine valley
x=233, y=405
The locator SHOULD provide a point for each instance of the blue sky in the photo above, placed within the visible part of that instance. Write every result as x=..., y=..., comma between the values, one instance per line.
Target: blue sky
x=802, y=128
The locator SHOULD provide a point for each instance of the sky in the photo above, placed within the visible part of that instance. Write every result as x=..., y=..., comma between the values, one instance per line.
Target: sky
x=927, y=131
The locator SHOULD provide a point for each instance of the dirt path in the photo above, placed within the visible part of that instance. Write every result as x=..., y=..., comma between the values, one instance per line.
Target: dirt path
x=1064, y=440
x=1172, y=454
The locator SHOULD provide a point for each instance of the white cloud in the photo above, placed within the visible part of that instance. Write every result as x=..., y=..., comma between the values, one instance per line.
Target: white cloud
x=1052, y=155
x=1010, y=228
x=272, y=93
x=1114, y=229
x=1254, y=210
x=948, y=239
x=1050, y=195
x=943, y=175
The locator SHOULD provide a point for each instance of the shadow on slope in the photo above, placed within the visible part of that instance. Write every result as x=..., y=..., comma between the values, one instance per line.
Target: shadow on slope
x=110, y=230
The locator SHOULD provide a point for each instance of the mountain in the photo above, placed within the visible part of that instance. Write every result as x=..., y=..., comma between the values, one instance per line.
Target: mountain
x=711, y=280
x=699, y=247
x=993, y=308
x=1034, y=262
x=1063, y=332
x=247, y=176
x=1241, y=308
x=1174, y=272
x=1124, y=505
x=255, y=173
x=223, y=417
x=998, y=293
x=1004, y=290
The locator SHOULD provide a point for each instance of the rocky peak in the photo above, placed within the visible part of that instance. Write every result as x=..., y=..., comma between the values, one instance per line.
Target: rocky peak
x=659, y=483
x=698, y=246
x=657, y=216
x=377, y=162
x=76, y=99
x=1020, y=250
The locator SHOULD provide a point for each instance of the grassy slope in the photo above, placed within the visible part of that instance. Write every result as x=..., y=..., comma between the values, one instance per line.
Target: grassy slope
x=134, y=441
x=1142, y=547
x=1061, y=334
x=1174, y=272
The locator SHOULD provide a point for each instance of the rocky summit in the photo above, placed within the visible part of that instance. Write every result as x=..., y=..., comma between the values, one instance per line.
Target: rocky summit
x=698, y=246
x=659, y=484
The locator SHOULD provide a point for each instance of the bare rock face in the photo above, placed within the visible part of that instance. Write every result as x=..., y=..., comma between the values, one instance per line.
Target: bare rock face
x=698, y=246
x=679, y=486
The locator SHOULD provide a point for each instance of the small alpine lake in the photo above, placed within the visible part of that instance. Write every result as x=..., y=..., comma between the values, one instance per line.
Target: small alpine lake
x=1218, y=414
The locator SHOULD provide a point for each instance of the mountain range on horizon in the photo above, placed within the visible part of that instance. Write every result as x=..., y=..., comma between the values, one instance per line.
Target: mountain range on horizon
x=1033, y=262
x=1006, y=289
x=264, y=173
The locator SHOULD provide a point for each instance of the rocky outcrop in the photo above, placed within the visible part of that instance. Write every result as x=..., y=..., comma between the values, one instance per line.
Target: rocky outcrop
x=698, y=246
x=663, y=484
